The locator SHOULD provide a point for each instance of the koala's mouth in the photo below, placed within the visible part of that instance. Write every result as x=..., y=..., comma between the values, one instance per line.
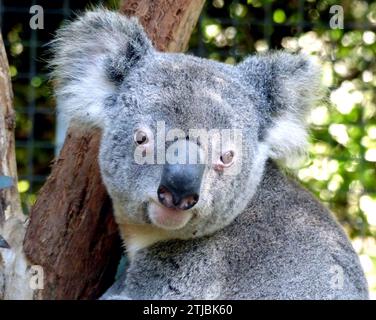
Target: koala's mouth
x=167, y=218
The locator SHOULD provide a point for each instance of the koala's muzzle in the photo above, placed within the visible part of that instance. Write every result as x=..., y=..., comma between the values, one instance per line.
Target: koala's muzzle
x=180, y=185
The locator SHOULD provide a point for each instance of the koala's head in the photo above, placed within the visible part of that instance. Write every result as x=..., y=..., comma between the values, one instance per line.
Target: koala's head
x=184, y=140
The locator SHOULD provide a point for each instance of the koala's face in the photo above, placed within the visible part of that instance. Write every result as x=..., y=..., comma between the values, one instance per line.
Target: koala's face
x=185, y=106
x=184, y=140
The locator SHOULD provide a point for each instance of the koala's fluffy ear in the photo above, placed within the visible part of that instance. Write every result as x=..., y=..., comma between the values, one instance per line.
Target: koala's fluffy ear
x=287, y=86
x=92, y=56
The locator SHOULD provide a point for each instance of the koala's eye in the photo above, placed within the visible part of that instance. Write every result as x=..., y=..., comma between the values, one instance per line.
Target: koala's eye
x=227, y=157
x=140, y=137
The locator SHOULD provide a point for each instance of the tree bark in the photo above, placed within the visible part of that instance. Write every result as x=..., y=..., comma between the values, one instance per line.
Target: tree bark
x=13, y=265
x=72, y=233
x=10, y=198
x=168, y=23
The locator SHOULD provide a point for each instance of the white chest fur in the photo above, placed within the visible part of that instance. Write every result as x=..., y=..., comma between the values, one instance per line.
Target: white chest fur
x=137, y=237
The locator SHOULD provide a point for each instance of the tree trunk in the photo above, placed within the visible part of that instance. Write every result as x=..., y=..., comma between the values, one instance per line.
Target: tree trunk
x=72, y=233
x=13, y=265
x=168, y=23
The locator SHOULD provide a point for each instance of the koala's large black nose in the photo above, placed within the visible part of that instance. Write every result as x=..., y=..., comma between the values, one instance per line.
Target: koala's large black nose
x=180, y=185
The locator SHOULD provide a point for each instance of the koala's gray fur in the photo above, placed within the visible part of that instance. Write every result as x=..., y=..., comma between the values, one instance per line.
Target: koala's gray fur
x=255, y=235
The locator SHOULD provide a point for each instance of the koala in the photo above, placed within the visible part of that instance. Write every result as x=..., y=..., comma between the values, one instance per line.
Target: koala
x=232, y=224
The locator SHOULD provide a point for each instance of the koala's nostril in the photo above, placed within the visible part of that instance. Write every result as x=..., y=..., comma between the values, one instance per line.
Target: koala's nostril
x=165, y=197
x=188, y=202
x=171, y=200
